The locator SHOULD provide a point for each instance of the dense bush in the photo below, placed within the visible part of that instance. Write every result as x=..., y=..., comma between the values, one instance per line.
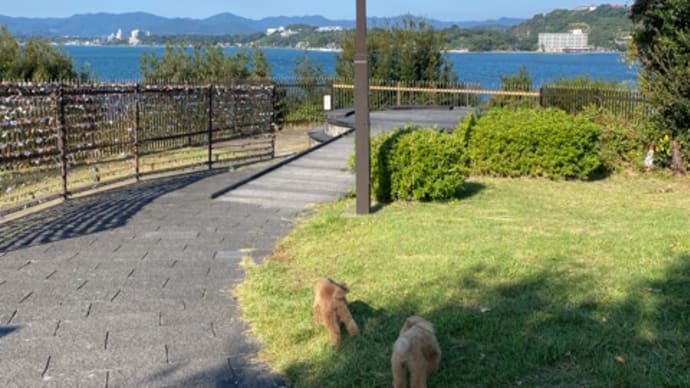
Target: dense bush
x=532, y=142
x=417, y=164
x=624, y=141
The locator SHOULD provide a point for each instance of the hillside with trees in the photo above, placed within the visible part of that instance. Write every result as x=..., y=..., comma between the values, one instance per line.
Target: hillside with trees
x=608, y=29
x=607, y=26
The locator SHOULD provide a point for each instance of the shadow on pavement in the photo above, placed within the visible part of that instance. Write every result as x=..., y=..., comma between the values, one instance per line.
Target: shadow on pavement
x=87, y=215
x=6, y=330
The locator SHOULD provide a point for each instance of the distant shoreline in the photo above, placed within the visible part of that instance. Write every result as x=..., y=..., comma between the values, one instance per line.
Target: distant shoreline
x=338, y=50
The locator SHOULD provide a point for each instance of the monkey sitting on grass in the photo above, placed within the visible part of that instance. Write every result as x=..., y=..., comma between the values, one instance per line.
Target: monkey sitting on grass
x=330, y=308
x=418, y=348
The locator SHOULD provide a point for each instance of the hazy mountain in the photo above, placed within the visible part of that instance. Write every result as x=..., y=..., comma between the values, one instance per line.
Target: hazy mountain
x=103, y=24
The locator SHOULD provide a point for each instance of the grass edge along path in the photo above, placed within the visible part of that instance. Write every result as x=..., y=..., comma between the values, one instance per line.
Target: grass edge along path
x=527, y=282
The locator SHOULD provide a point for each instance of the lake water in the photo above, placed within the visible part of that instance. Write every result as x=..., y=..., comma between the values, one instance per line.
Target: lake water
x=115, y=63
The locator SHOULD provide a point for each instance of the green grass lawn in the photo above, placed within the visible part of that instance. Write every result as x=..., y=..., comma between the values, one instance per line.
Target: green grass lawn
x=528, y=282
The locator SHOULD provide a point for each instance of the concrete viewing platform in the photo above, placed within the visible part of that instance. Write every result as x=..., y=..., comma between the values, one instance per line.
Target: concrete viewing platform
x=133, y=286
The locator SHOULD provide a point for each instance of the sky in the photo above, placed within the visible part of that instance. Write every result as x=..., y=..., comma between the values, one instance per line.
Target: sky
x=446, y=10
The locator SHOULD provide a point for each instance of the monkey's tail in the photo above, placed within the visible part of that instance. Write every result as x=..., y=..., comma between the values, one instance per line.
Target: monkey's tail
x=400, y=348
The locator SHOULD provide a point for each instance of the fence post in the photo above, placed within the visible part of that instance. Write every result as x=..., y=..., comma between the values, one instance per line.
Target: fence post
x=332, y=93
x=541, y=96
x=398, y=97
x=62, y=138
x=135, y=135
x=273, y=127
x=210, y=126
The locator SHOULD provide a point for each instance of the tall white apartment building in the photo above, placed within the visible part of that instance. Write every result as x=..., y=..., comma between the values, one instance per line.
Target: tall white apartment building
x=575, y=40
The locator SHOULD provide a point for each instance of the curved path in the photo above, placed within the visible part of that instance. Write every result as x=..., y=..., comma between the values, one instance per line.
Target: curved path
x=133, y=286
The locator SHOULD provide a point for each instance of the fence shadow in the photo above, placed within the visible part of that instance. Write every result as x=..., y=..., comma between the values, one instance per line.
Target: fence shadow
x=87, y=215
x=7, y=330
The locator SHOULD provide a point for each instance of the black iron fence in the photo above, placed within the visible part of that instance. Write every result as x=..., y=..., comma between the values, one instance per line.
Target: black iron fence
x=57, y=140
x=300, y=102
x=628, y=103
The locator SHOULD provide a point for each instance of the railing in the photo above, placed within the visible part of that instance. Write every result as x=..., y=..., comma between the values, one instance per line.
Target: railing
x=57, y=140
x=300, y=102
x=387, y=93
x=627, y=103
x=624, y=102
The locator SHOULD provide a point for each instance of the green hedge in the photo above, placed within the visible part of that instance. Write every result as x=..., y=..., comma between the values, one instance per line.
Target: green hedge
x=534, y=142
x=417, y=164
x=624, y=141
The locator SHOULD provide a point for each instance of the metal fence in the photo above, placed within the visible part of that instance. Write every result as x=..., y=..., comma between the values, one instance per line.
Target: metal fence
x=57, y=140
x=627, y=103
x=300, y=102
x=388, y=93
x=624, y=102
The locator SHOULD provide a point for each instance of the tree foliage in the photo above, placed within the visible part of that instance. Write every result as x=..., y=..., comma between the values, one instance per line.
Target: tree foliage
x=521, y=81
x=203, y=63
x=35, y=60
x=410, y=51
x=661, y=42
x=306, y=70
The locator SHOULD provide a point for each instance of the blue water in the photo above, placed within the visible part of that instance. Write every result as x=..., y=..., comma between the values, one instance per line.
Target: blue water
x=113, y=63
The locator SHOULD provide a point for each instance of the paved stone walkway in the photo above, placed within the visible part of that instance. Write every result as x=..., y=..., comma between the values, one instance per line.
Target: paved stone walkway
x=133, y=286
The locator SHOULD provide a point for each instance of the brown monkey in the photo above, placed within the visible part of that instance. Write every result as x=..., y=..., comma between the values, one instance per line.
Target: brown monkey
x=330, y=308
x=417, y=347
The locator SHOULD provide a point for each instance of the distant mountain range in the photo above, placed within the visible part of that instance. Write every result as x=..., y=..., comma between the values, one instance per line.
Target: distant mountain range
x=103, y=24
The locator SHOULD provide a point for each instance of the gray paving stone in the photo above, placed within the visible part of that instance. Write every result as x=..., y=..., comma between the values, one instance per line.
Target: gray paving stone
x=96, y=326
x=95, y=379
x=134, y=306
x=41, y=348
x=178, y=335
x=270, y=203
x=281, y=195
x=28, y=331
x=196, y=314
x=67, y=362
x=22, y=372
x=198, y=373
x=60, y=311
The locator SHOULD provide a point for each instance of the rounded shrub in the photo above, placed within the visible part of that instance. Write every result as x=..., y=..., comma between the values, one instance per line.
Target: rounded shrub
x=417, y=164
x=535, y=142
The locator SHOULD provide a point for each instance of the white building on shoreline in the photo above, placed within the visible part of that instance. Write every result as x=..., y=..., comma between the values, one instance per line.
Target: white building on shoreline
x=573, y=41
